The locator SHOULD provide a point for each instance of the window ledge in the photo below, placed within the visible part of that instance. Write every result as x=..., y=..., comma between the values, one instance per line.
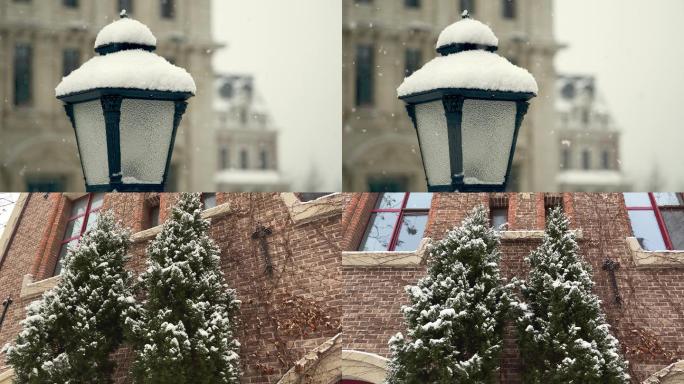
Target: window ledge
x=654, y=259
x=7, y=376
x=529, y=235
x=306, y=212
x=33, y=289
x=386, y=258
x=415, y=258
x=215, y=212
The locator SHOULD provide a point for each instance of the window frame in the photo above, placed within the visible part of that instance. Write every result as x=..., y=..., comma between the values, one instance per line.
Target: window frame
x=396, y=229
x=656, y=209
x=86, y=216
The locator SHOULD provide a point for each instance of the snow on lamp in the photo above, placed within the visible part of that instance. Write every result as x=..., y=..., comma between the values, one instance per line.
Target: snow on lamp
x=125, y=106
x=467, y=106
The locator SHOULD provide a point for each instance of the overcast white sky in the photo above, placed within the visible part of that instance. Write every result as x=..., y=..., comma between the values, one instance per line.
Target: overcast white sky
x=636, y=51
x=294, y=50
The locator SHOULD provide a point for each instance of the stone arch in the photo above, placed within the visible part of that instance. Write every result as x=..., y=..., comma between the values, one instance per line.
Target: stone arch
x=320, y=366
x=363, y=366
x=672, y=374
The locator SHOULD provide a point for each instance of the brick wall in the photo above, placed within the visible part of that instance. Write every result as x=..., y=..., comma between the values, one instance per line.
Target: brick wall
x=648, y=323
x=305, y=283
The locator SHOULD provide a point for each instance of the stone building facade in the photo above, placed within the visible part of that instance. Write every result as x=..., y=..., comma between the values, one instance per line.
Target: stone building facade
x=647, y=319
x=41, y=41
x=247, y=138
x=284, y=317
x=384, y=40
x=588, y=139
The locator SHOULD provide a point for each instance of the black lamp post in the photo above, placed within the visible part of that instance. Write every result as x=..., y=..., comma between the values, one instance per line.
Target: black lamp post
x=467, y=107
x=125, y=106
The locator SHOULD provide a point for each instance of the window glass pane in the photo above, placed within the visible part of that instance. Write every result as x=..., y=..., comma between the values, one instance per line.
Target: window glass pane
x=92, y=220
x=390, y=200
x=62, y=253
x=97, y=200
x=419, y=201
x=637, y=199
x=154, y=216
x=364, y=74
x=209, y=200
x=78, y=207
x=23, y=74
x=379, y=232
x=668, y=199
x=74, y=228
x=499, y=217
x=674, y=221
x=411, y=232
x=646, y=230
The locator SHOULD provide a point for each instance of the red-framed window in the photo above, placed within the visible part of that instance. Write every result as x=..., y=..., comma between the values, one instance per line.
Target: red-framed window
x=397, y=222
x=657, y=219
x=83, y=216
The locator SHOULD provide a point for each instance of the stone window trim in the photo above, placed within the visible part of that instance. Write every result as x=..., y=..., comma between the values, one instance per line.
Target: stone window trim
x=418, y=257
x=11, y=225
x=672, y=374
x=30, y=288
x=654, y=259
x=7, y=377
x=306, y=212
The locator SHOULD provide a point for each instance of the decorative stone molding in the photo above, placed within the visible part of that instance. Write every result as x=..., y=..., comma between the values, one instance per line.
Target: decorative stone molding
x=306, y=212
x=7, y=376
x=363, y=366
x=672, y=374
x=211, y=213
x=320, y=366
x=654, y=259
x=8, y=233
x=386, y=258
x=415, y=258
x=530, y=235
x=33, y=290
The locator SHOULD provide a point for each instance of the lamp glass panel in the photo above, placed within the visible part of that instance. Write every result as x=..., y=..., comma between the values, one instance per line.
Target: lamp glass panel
x=487, y=131
x=434, y=142
x=92, y=141
x=146, y=128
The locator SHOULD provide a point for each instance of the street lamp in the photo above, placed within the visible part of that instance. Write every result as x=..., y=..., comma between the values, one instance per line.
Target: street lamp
x=125, y=106
x=467, y=106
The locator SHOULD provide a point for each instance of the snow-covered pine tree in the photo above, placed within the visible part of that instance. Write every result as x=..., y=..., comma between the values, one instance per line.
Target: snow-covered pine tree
x=70, y=333
x=455, y=320
x=183, y=330
x=563, y=335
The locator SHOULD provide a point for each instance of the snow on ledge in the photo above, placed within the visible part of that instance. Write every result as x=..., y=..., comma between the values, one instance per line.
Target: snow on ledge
x=125, y=30
x=476, y=69
x=135, y=68
x=467, y=31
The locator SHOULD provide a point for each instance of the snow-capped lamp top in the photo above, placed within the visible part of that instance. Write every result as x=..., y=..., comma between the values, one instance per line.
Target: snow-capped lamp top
x=126, y=60
x=468, y=61
x=124, y=31
x=464, y=32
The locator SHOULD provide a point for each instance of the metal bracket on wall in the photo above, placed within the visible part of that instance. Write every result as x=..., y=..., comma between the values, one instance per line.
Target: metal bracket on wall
x=260, y=234
x=5, y=305
x=611, y=266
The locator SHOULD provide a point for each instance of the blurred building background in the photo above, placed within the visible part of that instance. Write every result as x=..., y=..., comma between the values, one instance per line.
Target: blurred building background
x=246, y=137
x=41, y=41
x=568, y=142
x=589, y=140
x=386, y=40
